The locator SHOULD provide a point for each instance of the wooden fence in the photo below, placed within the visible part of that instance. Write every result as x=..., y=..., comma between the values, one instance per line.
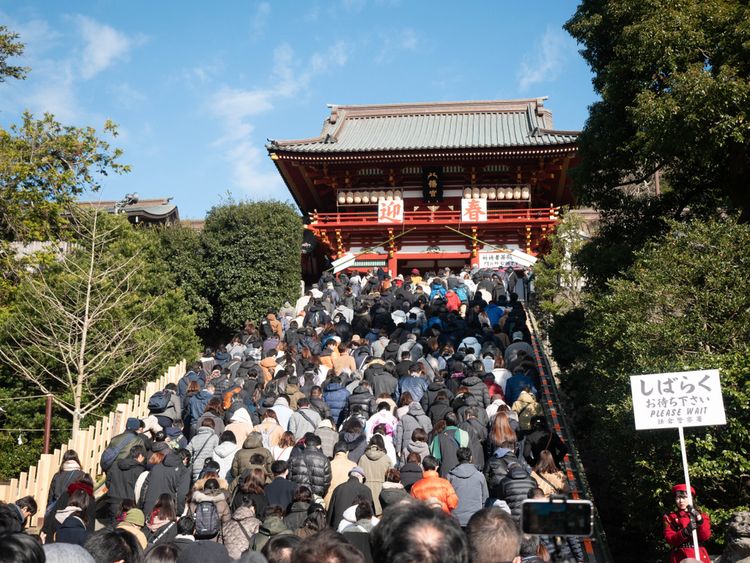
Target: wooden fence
x=89, y=443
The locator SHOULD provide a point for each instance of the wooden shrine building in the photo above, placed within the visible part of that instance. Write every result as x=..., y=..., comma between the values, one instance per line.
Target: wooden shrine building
x=431, y=184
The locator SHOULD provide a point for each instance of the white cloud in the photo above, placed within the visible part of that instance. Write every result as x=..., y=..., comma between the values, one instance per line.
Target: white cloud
x=405, y=39
x=547, y=61
x=104, y=45
x=235, y=108
x=260, y=19
x=126, y=96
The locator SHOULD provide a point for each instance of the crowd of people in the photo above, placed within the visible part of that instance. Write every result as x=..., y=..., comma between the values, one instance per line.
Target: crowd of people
x=376, y=419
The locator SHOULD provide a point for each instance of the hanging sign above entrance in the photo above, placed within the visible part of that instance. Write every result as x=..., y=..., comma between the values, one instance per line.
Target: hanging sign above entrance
x=473, y=210
x=494, y=260
x=390, y=211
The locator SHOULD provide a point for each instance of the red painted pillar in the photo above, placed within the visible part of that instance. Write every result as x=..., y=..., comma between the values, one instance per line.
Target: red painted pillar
x=393, y=266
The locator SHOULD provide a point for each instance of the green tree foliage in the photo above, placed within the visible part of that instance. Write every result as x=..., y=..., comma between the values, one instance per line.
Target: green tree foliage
x=10, y=47
x=682, y=305
x=183, y=248
x=252, y=253
x=675, y=97
x=99, y=319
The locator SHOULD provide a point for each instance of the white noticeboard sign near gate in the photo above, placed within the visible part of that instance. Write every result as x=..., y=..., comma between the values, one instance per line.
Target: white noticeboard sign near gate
x=671, y=400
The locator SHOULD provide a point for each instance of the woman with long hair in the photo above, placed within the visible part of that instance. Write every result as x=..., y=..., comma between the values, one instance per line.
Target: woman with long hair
x=549, y=476
x=501, y=434
x=70, y=471
x=403, y=404
x=315, y=522
x=71, y=522
x=161, y=524
x=214, y=411
x=283, y=449
x=254, y=485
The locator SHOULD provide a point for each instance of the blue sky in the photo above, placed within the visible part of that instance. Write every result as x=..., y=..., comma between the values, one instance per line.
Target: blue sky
x=198, y=87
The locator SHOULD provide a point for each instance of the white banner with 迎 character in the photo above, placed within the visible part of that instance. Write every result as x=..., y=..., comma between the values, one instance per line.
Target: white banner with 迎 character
x=390, y=211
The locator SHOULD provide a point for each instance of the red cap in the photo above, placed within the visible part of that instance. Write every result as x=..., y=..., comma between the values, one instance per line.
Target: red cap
x=682, y=487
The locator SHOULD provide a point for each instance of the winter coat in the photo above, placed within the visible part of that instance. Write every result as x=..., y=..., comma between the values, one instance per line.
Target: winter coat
x=340, y=467
x=477, y=438
x=70, y=473
x=514, y=489
x=363, y=399
x=218, y=498
x=280, y=492
x=195, y=405
x=71, y=530
x=122, y=477
x=321, y=406
x=343, y=497
x=391, y=494
x=551, y=483
x=471, y=488
x=515, y=385
x=356, y=444
x=235, y=540
x=410, y=474
x=170, y=476
x=496, y=468
x=271, y=527
x=419, y=447
x=201, y=447
x=543, y=439
x=336, y=397
x=438, y=410
x=415, y=385
x=311, y=468
x=296, y=516
x=444, y=447
x=200, y=551
x=328, y=438
x=413, y=419
x=375, y=462
x=432, y=486
x=253, y=445
x=527, y=407
x=270, y=432
x=240, y=425
x=299, y=424
x=223, y=454
x=478, y=389
x=430, y=396
x=682, y=547
x=161, y=535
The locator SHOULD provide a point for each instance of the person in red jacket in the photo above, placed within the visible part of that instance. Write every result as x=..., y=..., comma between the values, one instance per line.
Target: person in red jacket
x=679, y=526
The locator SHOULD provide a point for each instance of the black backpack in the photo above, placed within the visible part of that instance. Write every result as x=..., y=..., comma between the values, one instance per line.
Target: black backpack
x=207, y=521
x=391, y=351
x=159, y=402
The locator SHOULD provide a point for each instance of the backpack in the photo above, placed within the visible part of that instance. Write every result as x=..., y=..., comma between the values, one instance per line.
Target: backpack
x=159, y=402
x=391, y=350
x=207, y=521
x=265, y=329
x=527, y=411
x=112, y=452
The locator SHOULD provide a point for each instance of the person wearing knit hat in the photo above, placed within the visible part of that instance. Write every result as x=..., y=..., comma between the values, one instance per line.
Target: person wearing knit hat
x=679, y=526
x=133, y=522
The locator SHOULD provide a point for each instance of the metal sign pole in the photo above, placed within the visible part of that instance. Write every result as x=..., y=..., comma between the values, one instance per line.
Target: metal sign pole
x=687, y=486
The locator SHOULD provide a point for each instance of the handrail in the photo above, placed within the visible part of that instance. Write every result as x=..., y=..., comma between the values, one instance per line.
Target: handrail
x=89, y=443
x=441, y=215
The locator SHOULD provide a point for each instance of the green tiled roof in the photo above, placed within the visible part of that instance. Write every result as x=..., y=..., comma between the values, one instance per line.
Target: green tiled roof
x=442, y=125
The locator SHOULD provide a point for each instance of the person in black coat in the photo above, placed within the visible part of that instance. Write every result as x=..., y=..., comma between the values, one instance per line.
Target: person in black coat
x=311, y=467
x=346, y=493
x=71, y=522
x=541, y=438
x=411, y=472
x=281, y=490
x=197, y=551
x=170, y=476
x=515, y=487
x=122, y=477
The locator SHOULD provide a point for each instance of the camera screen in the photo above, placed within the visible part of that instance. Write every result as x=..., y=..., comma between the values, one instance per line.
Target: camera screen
x=557, y=518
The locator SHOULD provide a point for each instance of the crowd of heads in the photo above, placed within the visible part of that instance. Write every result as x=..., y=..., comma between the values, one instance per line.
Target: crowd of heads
x=338, y=428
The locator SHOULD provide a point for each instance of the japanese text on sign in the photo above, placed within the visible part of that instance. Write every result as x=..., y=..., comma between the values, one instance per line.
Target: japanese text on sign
x=474, y=210
x=669, y=400
x=390, y=211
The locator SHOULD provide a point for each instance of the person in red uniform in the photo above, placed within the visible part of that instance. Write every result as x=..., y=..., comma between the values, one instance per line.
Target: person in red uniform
x=679, y=526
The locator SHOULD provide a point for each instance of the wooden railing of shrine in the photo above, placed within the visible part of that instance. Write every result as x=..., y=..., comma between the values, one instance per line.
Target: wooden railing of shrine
x=528, y=216
x=88, y=443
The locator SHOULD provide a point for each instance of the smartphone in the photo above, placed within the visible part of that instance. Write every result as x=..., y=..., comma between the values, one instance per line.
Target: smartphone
x=557, y=517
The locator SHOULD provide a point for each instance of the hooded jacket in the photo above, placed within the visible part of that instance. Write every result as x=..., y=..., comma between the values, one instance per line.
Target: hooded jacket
x=497, y=467
x=514, y=489
x=336, y=397
x=410, y=474
x=375, y=462
x=170, y=476
x=234, y=538
x=296, y=516
x=356, y=444
x=311, y=468
x=271, y=527
x=240, y=425
x=253, y=445
x=478, y=389
x=471, y=488
x=380, y=380
x=223, y=454
x=413, y=419
x=218, y=498
x=363, y=398
x=122, y=477
x=392, y=493
x=71, y=529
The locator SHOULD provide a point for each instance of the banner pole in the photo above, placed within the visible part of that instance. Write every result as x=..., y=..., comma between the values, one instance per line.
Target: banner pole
x=687, y=486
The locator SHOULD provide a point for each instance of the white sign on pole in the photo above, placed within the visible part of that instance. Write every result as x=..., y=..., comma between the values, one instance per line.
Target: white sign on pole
x=343, y=263
x=672, y=400
x=474, y=210
x=390, y=211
